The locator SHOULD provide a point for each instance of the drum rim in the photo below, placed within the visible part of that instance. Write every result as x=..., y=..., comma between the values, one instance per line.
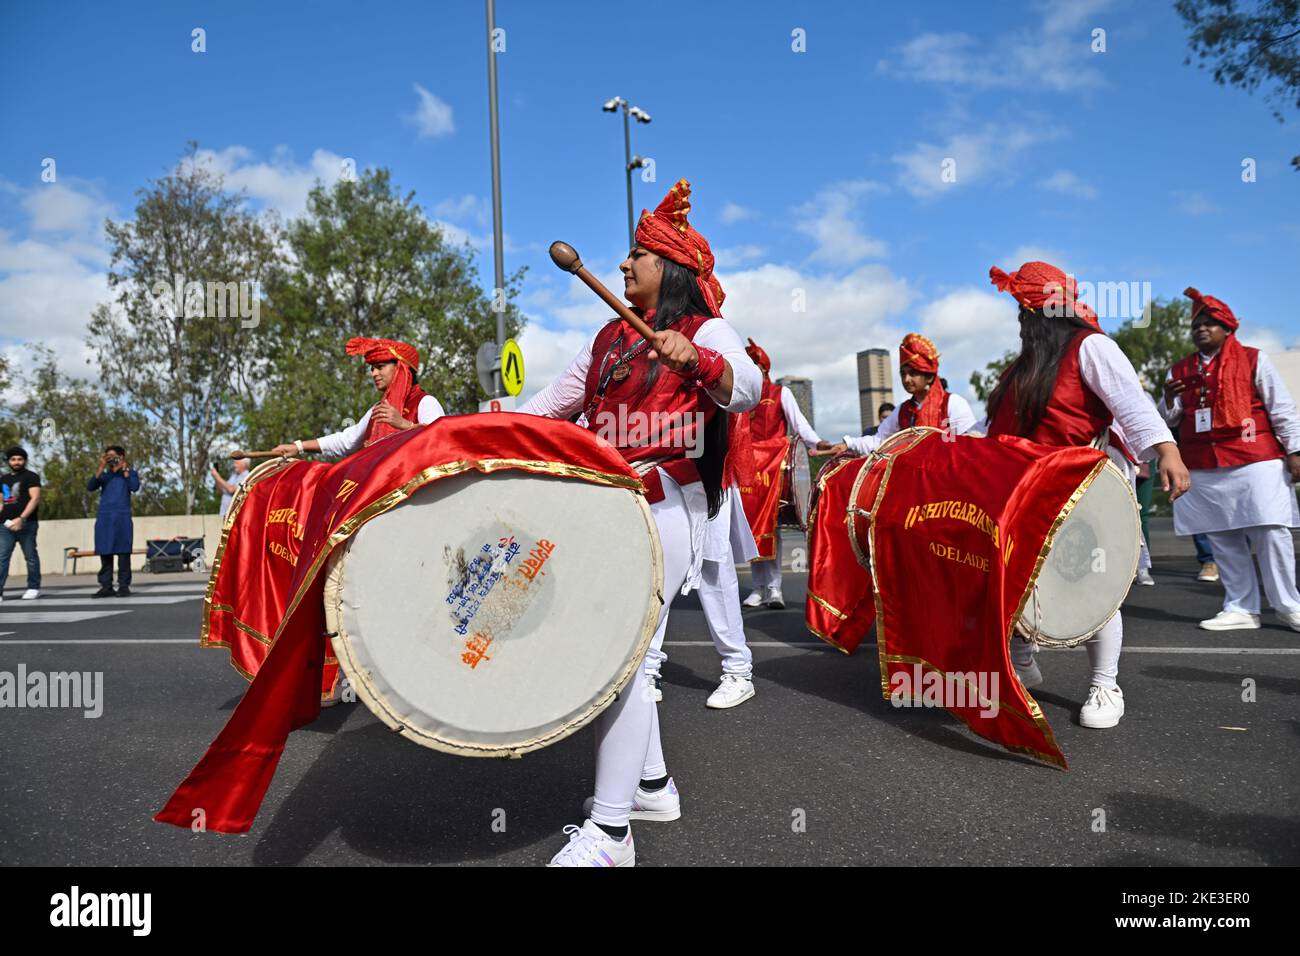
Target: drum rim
x=801, y=521
x=340, y=641
x=1076, y=640
x=915, y=435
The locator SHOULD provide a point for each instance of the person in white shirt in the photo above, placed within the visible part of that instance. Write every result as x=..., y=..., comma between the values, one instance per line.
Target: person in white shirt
x=694, y=370
x=394, y=367
x=1239, y=432
x=929, y=404
x=777, y=414
x=228, y=486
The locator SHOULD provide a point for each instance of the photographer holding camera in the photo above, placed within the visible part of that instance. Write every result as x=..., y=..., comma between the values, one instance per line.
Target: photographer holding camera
x=114, y=530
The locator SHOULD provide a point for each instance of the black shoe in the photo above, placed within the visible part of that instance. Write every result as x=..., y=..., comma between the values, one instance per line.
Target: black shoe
x=123, y=592
x=105, y=592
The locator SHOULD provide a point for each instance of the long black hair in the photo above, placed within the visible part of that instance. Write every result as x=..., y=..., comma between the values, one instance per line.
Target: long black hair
x=1032, y=376
x=680, y=297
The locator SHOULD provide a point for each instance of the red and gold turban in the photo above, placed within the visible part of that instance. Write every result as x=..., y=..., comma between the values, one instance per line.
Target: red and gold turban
x=665, y=232
x=1040, y=285
x=759, y=356
x=384, y=350
x=920, y=353
x=1217, y=308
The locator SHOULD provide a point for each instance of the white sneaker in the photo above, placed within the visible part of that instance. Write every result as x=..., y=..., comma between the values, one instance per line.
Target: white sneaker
x=1103, y=708
x=733, y=690
x=659, y=806
x=589, y=845
x=31, y=594
x=1144, y=577
x=1209, y=572
x=1030, y=676
x=1232, y=621
x=657, y=690
x=1291, y=619
x=774, y=599
x=754, y=600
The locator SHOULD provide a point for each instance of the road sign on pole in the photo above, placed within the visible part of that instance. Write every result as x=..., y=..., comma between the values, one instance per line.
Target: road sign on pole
x=486, y=363
x=512, y=367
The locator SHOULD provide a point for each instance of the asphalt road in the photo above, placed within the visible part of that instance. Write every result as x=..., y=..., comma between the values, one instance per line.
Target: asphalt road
x=816, y=769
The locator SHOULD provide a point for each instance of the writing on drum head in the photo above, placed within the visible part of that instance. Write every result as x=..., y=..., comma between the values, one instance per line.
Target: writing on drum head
x=476, y=649
x=532, y=565
x=481, y=575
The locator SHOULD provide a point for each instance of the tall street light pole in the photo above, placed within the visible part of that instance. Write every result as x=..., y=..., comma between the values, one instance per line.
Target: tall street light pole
x=498, y=252
x=630, y=162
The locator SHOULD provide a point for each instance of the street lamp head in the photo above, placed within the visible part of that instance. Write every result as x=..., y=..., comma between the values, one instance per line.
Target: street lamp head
x=611, y=106
x=641, y=115
x=636, y=163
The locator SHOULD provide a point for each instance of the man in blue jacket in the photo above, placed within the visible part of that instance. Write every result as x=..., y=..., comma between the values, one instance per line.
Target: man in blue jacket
x=114, y=531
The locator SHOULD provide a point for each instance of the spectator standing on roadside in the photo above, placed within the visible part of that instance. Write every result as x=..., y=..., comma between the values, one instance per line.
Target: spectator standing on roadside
x=18, y=521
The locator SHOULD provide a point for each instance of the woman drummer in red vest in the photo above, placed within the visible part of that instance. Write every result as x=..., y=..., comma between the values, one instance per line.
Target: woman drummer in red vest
x=930, y=403
x=694, y=370
x=1067, y=385
x=1240, y=434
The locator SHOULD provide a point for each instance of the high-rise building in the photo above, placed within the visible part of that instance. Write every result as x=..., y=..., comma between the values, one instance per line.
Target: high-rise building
x=875, y=384
x=801, y=389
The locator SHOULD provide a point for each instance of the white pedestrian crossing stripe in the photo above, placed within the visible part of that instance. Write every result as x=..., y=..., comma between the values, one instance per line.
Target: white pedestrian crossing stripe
x=104, y=603
x=56, y=617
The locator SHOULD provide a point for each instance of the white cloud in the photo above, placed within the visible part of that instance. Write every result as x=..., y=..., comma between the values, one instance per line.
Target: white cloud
x=1193, y=204
x=733, y=213
x=1064, y=181
x=830, y=219
x=468, y=206
x=432, y=117
x=1018, y=256
x=1054, y=53
x=970, y=327
x=281, y=184
x=736, y=256
x=53, y=277
x=975, y=156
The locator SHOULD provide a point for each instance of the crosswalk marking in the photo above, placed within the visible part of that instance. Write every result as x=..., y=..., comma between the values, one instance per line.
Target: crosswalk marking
x=105, y=603
x=56, y=617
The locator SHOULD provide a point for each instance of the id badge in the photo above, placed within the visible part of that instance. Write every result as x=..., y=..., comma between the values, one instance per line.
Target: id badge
x=1203, y=419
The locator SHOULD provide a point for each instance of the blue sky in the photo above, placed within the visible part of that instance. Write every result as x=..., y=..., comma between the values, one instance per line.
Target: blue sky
x=816, y=174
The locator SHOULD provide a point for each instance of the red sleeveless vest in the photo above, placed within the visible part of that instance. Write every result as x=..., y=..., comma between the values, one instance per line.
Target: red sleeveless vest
x=909, y=410
x=1074, y=414
x=766, y=420
x=410, y=408
x=1226, y=446
x=662, y=425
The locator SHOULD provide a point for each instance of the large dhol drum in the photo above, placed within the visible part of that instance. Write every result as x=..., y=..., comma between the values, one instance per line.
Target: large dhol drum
x=1090, y=567
x=796, y=487
x=494, y=614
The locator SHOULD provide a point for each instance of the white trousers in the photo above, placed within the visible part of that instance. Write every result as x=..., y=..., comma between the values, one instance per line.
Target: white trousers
x=767, y=574
x=1104, y=649
x=1276, y=552
x=720, y=597
x=627, y=732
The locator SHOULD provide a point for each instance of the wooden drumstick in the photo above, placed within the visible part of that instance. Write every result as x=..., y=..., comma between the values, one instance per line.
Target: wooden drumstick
x=255, y=454
x=566, y=257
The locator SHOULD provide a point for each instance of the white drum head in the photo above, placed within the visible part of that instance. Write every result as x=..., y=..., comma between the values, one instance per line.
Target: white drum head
x=1090, y=566
x=799, y=487
x=491, y=615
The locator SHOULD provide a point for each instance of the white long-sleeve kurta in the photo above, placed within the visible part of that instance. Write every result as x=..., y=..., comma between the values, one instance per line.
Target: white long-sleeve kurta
x=794, y=418
x=344, y=443
x=960, y=418
x=1108, y=373
x=566, y=396
x=1244, y=496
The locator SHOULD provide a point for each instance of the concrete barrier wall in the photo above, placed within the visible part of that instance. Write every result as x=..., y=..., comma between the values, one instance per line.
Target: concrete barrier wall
x=53, y=536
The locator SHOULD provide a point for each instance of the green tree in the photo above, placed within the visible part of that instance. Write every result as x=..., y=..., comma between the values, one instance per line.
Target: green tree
x=984, y=382
x=365, y=261
x=66, y=423
x=1156, y=340
x=187, y=363
x=1249, y=48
